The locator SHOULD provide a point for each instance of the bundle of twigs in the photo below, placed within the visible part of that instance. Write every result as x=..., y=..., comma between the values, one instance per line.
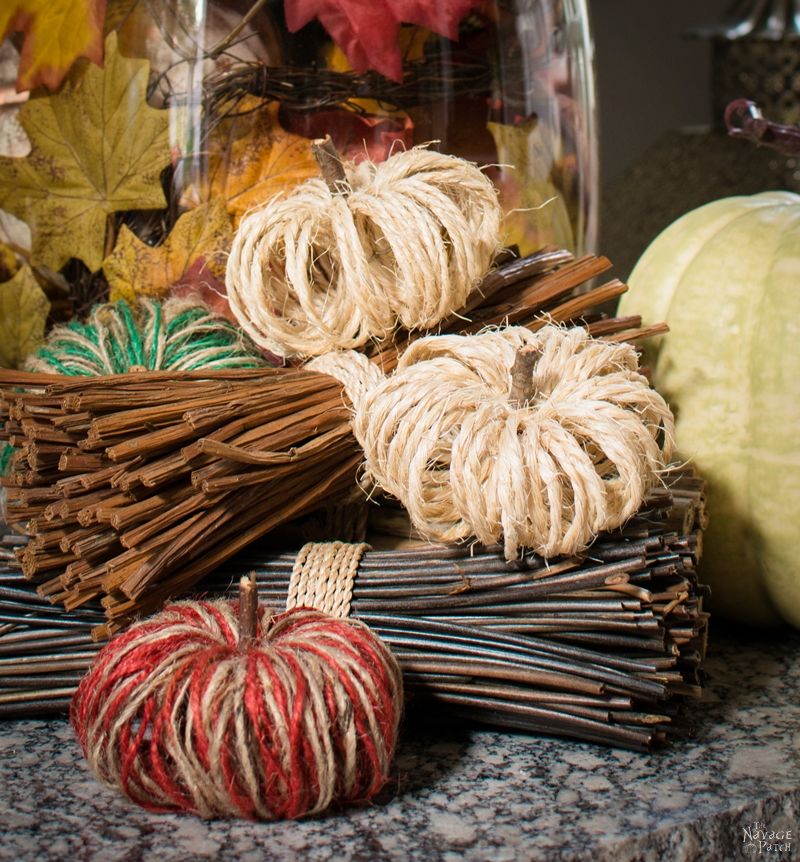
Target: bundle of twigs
x=601, y=648
x=135, y=486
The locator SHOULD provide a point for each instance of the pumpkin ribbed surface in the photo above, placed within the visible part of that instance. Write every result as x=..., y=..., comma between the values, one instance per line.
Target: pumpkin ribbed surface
x=726, y=278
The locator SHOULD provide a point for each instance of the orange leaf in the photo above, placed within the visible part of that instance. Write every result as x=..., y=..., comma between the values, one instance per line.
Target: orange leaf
x=251, y=158
x=137, y=269
x=56, y=33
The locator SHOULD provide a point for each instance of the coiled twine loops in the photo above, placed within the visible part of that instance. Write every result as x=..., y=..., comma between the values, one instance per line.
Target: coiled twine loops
x=331, y=266
x=575, y=455
x=179, y=715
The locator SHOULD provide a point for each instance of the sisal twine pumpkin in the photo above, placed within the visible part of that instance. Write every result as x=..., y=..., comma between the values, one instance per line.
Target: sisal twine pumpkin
x=572, y=455
x=178, y=335
x=182, y=712
x=331, y=266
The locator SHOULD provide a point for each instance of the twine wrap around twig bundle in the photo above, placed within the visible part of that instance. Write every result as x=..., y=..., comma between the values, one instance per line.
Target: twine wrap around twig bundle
x=340, y=261
x=323, y=576
x=543, y=439
x=191, y=711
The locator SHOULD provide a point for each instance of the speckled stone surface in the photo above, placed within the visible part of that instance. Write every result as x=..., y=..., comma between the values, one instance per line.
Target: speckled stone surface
x=467, y=794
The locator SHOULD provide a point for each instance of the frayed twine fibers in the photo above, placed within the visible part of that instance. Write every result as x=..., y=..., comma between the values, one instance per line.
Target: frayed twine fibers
x=178, y=335
x=184, y=712
x=333, y=265
x=547, y=468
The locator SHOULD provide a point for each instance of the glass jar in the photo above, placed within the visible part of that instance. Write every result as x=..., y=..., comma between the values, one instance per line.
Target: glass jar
x=126, y=171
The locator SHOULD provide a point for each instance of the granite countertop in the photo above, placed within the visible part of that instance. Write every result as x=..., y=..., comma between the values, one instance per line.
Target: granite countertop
x=468, y=794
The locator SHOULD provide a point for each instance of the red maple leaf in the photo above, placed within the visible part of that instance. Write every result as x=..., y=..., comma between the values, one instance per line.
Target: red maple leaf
x=355, y=136
x=200, y=282
x=200, y=285
x=366, y=30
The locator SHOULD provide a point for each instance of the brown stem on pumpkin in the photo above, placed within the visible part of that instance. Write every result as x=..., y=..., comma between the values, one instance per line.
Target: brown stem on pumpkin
x=521, y=390
x=248, y=610
x=330, y=165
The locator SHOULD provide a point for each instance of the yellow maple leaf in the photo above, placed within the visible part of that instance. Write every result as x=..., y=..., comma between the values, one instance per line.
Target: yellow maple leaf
x=56, y=33
x=203, y=235
x=96, y=148
x=9, y=265
x=251, y=158
x=23, y=314
x=536, y=214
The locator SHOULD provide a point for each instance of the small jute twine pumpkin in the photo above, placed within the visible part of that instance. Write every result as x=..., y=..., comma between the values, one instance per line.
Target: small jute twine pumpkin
x=178, y=335
x=341, y=261
x=225, y=711
x=542, y=439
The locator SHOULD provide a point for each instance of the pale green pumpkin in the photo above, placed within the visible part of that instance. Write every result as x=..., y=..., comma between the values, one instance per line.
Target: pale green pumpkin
x=726, y=278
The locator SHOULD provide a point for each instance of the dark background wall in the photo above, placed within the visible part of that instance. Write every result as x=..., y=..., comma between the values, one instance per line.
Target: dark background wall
x=651, y=77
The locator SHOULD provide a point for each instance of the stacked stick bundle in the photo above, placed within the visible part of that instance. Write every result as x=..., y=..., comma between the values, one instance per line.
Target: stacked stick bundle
x=602, y=648
x=133, y=487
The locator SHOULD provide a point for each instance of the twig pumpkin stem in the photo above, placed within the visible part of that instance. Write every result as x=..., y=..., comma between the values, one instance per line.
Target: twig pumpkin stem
x=521, y=390
x=248, y=610
x=330, y=165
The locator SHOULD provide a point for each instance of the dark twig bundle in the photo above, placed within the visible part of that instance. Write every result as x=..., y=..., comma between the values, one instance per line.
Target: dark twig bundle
x=601, y=648
x=133, y=487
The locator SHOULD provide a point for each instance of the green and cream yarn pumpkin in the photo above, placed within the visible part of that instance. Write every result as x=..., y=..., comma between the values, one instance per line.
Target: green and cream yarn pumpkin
x=176, y=335
x=726, y=278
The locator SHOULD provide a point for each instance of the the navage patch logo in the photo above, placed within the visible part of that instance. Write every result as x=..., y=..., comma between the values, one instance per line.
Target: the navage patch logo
x=760, y=840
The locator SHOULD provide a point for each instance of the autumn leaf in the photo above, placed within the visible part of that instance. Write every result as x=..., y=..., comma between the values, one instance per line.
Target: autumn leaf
x=8, y=262
x=536, y=214
x=201, y=284
x=23, y=314
x=96, y=148
x=55, y=34
x=251, y=158
x=137, y=269
x=367, y=32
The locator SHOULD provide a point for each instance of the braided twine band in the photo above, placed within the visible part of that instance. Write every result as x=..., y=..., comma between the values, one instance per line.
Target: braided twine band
x=323, y=576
